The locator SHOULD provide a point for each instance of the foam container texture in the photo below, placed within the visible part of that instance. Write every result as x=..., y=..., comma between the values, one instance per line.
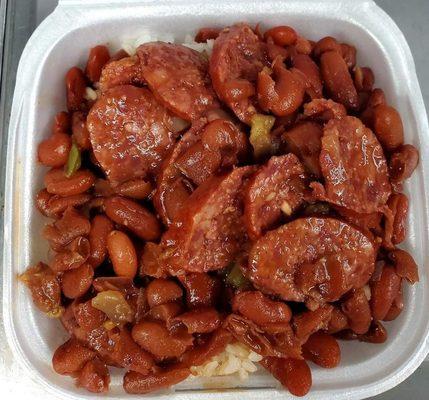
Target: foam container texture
x=63, y=40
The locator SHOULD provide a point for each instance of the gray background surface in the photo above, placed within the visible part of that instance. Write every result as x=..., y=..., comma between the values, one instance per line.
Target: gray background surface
x=412, y=17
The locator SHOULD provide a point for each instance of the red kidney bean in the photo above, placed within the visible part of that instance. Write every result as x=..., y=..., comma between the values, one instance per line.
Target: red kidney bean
x=133, y=216
x=282, y=35
x=136, y=189
x=383, y=292
x=201, y=289
x=376, y=334
x=57, y=183
x=54, y=151
x=357, y=309
x=338, y=81
x=45, y=289
x=398, y=205
x=79, y=132
x=376, y=98
x=76, y=282
x=396, y=308
x=101, y=226
x=71, y=357
x=42, y=202
x=157, y=340
x=349, y=54
x=122, y=253
x=405, y=266
x=303, y=46
x=136, y=383
x=403, y=162
x=309, y=68
x=364, y=79
x=260, y=309
x=162, y=291
x=57, y=204
x=202, y=320
x=73, y=256
x=322, y=349
x=150, y=262
x=338, y=321
x=205, y=34
x=70, y=226
x=293, y=374
x=310, y=322
x=94, y=377
x=325, y=44
x=76, y=87
x=164, y=312
x=98, y=57
x=61, y=123
x=388, y=127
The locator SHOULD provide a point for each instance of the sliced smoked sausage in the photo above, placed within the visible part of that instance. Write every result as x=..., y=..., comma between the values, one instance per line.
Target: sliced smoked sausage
x=276, y=258
x=237, y=58
x=211, y=230
x=178, y=77
x=130, y=133
x=277, y=187
x=354, y=167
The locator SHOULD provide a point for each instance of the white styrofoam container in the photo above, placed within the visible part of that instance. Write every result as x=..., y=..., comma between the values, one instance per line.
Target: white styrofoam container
x=63, y=40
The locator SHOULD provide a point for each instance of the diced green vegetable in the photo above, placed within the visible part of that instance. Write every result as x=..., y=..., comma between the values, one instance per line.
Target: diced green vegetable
x=260, y=137
x=74, y=161
x=234, y=277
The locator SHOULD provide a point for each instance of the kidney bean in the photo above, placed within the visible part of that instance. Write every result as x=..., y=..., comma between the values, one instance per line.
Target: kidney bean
x=164, y=312
x=349, y=54
x=309, y=68
x=201, y=289
x=136, y=383
x=398, y=205
x=338, y=81
x=136, y=189
x=293, y=374
x=57, y=183
x=70, y=226
x=376, y=98
x=157, y=340
x=357, y=309
x=87, y=316
x=322, y=349
x=376, y=334
x=122, y=254
x=396, y=308
x=383, y=291
x=260, y=309
x=274, y=51
x=73, y=256
x=76, y=87
x=57, y=204
x=405, y=266
x=402, y=163
x=200, y=320
x=61, y=123
x=161, y=291
x=80, y=134
x=42, y=202
x=388, y=127
x=76, y=282
x=338, y=321
x=94, y=376
x=98, y=57
x=205, y=34
x=101, y=226
x=325, y=44
x=71, y=357
x=310, y=322
x=45, y=289
x=150, y=262
x=303, y=46
x=282, y=35
x=283, y=95
x=54, y=151
x=133, y=216
x=363, y=79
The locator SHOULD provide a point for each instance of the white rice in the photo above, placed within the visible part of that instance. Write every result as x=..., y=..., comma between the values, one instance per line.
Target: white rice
x=236, y=359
